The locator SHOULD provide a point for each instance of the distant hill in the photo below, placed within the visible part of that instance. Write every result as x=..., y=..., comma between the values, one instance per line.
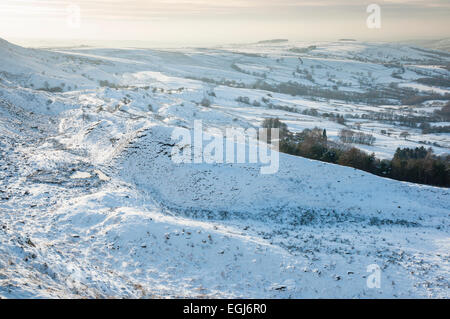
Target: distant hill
x=273, y=41
x=440, y=44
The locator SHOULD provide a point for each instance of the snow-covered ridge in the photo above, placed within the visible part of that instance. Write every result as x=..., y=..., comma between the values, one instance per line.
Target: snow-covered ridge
x=91, y=205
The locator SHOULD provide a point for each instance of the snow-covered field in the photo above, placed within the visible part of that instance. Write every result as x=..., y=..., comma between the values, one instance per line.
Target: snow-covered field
x=91, y=204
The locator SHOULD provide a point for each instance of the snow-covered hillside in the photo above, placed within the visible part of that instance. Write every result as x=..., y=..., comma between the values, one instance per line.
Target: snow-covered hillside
x=92, y=205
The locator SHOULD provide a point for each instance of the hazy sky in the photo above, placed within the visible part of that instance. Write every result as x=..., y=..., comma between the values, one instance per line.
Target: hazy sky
x=221, y=21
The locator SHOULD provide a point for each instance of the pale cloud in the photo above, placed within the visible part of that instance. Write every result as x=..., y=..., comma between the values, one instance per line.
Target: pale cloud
x=130, y=8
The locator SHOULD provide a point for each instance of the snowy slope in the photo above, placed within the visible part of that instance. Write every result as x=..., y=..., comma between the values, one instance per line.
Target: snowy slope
x=91, y=204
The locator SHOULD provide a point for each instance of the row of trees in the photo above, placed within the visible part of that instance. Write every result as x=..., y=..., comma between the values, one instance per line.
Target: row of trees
x=349, y=136
x=418, y=165
x=444, y=112
x=427, y=128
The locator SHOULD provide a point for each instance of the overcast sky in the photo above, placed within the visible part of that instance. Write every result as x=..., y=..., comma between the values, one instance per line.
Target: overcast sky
x=221, y=21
